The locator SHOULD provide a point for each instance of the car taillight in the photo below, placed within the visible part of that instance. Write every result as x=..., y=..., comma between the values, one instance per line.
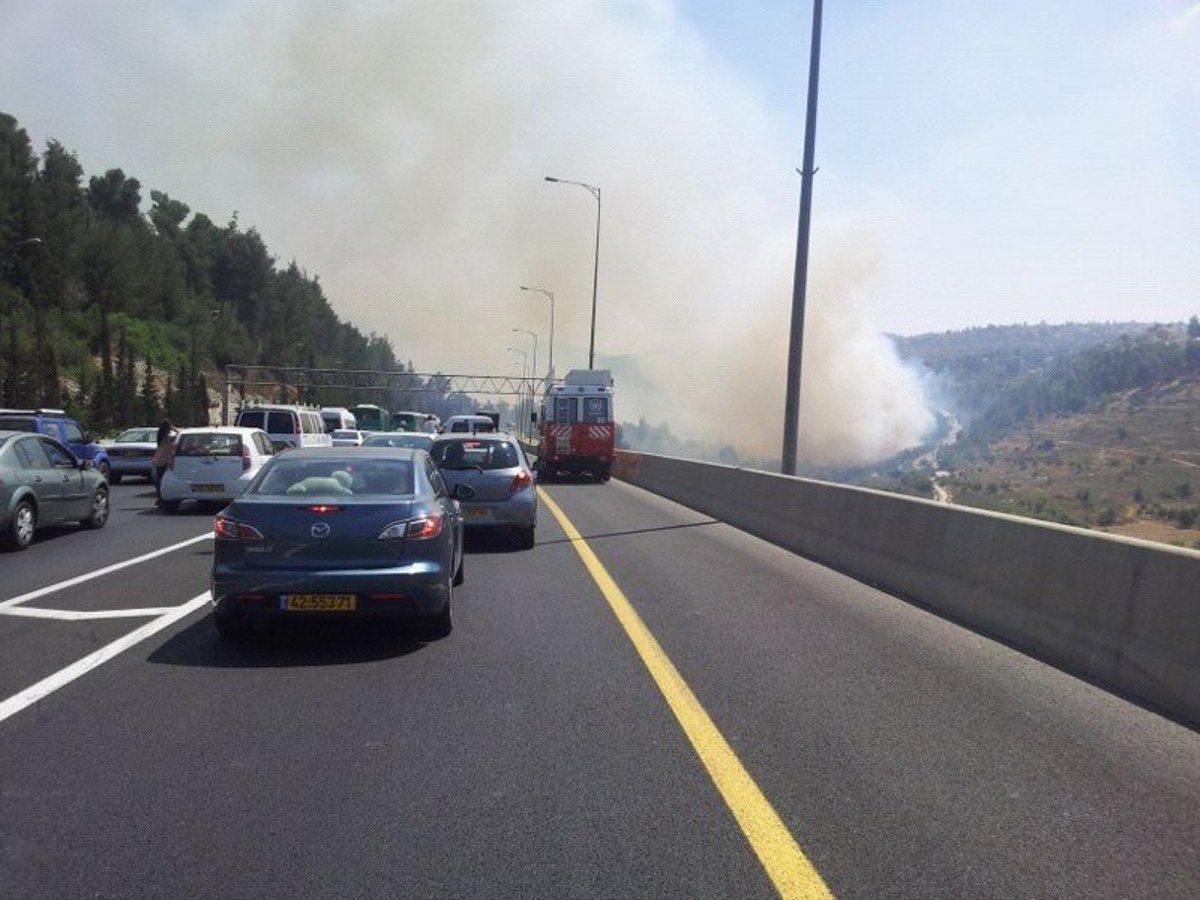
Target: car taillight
x=245, y=458
x=521, y=480
x=322, y=508
x=228, y=529
x=421, y=528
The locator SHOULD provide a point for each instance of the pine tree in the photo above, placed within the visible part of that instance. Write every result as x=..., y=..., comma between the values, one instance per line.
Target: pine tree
x=151, y=406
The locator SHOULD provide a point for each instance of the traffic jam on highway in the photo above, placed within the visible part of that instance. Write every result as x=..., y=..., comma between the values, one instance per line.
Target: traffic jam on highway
x=320, y=512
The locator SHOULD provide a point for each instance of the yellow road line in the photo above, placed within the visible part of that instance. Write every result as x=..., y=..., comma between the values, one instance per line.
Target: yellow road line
x=786, y=865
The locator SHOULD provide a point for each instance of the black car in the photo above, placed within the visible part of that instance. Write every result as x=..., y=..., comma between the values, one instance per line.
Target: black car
x=339, y=533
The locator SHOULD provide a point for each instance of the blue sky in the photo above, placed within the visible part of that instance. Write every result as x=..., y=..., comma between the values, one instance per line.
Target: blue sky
x=1020, y=160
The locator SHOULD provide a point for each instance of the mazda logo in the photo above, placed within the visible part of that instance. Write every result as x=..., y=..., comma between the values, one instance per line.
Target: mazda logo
x=320, y=530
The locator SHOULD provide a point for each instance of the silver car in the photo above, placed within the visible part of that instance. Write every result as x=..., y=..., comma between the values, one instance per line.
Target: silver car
x=132, y=453
x=495, y=467
x=346, y=437
x=42, y=483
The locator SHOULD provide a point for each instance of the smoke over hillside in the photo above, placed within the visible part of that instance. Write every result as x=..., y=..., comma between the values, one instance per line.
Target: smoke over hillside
x=398, y=151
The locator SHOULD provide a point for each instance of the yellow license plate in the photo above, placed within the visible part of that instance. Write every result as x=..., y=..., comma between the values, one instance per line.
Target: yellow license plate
x=208, y=488
x=475, y=512
x=319, y=602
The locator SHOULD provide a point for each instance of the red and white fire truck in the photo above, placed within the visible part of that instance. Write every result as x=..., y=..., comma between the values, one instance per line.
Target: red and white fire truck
x=578, y=433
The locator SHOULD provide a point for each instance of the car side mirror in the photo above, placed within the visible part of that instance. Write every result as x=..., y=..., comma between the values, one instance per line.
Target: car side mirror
x=462, y=492
x=86, y=464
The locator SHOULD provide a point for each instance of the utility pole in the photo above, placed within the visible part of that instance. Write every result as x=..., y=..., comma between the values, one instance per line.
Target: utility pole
x=791, y=409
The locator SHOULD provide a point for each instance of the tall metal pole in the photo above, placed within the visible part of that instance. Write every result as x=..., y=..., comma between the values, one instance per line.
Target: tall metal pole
x=595, y=280
x=791, y=409
x=595, y=192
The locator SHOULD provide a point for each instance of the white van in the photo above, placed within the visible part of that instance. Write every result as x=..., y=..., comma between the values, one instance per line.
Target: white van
x=288, y=426
x=338, y=418
x=476, y=424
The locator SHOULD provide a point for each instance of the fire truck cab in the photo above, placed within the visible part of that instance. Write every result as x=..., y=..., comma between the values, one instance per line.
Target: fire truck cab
x=577, y=430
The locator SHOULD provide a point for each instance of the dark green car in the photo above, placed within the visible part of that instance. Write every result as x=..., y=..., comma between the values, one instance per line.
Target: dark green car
x=42, y=483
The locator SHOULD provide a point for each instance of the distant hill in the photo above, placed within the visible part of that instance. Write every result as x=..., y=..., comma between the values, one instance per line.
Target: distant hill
x=1096, y=425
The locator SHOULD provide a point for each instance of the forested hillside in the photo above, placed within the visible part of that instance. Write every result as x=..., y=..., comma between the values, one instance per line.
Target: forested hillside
x=95, y=294
x=999, y=377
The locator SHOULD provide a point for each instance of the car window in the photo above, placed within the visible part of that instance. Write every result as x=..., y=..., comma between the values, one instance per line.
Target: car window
x=565, y=410
x=264, y=443
x=595, y=410
x=18, y=423
x=288, y=476
x=60, y=456
x=72, y=433
x=251, y=418
x=209, y=444
x=282, y=422
x=136, y=436
x=435, y=479
x=31, y=455
x=483, y=454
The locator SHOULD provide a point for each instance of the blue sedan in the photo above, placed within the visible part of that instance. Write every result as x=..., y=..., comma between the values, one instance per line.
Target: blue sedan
x=339, y=533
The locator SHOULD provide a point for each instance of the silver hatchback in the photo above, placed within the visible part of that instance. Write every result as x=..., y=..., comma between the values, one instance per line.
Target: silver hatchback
x=495, y=468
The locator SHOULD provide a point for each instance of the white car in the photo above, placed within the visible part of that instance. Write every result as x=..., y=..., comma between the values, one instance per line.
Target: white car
x=213, y=464
x=346, y=437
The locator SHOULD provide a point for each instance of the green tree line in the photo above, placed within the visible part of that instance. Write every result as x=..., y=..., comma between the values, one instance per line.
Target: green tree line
x=123, y=316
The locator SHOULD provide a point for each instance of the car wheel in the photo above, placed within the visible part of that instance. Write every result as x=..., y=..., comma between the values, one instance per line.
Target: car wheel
x=434, y=628
x=233, y=628
x=525, y=538
x=171, y=506
x=114, y=477
x=100, y=507
x=19, y=533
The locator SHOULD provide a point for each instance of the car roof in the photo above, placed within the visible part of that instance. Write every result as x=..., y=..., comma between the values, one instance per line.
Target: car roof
x=219, y=429
x=473, y=435
x=351, y=453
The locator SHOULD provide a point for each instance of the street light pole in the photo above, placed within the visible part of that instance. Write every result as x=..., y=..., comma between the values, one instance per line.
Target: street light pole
x=532, y=334
x=533, y=371
x=549, y=294
x=791, y=409
x=595, y=192
x=524, y=368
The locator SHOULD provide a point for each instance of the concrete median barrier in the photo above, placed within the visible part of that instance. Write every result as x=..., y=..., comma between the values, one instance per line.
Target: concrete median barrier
x=1120, y=612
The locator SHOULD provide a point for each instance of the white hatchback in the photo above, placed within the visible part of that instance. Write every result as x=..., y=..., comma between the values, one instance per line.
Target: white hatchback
x=213, y=464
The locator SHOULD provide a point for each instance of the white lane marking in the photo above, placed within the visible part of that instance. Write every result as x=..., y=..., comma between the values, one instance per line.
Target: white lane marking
x=79, y=579
x=76, y=615
x=52, y=683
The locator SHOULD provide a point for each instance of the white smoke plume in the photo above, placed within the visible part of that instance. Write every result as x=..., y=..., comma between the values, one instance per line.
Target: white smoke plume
x=397, y=150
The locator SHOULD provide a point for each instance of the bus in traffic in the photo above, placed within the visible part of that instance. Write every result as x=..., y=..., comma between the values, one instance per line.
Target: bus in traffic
x=371, y=417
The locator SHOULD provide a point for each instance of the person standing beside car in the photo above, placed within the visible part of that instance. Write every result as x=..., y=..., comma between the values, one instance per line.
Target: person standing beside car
x=164, y=454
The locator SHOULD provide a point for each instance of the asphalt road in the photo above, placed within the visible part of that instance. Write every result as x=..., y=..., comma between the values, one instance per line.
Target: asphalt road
x=531, y=753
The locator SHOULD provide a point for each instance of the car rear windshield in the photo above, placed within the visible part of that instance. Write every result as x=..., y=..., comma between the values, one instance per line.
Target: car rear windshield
x=290, y=477
x=18, y=423
x=209, y=444
x=475, y=454
x=137, y=436
x=416, y=441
